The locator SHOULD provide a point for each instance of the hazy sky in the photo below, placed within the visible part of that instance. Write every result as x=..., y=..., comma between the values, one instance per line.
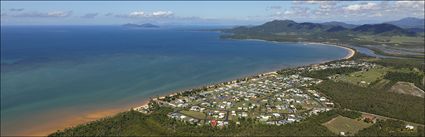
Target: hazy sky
x=203, y=13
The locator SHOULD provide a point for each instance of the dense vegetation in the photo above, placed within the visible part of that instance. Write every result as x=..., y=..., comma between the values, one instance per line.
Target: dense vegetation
x=348, y=113
x=292, y=27
x=368, y=34
x=133, y=123
x=324, y=74
x=401, y=63
x=404, y=107
x=390, y=128
x=406, y=77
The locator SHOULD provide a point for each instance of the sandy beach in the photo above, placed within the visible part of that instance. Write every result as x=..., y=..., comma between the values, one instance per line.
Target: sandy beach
x=351, y=54
x=69, y=121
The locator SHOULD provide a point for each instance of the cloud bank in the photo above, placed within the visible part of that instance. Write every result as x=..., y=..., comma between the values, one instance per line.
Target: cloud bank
x=34, y=14
x=143, y=14
x=336, y=10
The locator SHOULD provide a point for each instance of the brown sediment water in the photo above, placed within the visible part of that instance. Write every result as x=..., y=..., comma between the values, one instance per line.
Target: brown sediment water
x=68, y=120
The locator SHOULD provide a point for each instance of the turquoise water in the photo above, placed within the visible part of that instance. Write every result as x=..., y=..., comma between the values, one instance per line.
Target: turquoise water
x=69, y=69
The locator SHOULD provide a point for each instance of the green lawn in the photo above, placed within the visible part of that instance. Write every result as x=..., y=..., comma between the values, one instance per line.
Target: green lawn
x=347, y=125
x=367, y=77
x=381, y=84
x=195, y=114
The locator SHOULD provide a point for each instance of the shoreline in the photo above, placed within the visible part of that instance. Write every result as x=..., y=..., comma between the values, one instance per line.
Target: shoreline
x=88, y=117
x=348, y=56
x=351, y=50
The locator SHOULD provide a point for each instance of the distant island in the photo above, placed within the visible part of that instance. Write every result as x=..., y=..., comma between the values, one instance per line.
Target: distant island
x=146, y=25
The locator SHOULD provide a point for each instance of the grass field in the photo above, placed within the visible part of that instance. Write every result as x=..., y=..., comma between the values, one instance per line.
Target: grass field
x=364, y=78
x=347, y=125
x=195, y=114
x=394, y=40
x=381, y=84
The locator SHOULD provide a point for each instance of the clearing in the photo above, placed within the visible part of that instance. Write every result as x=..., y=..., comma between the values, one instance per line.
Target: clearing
x=407, y=88
x=347, y=125
x=363, y=78
x=194, y=114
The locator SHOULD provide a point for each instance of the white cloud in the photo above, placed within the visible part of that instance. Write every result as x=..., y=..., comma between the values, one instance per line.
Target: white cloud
x=53, y=14
x=410, y=4
x=377, y=15
x=361, y=6
x=162, y=14
x=322, y=4
x=351, y=10
x=307, y=2
x=137, y=14
x=58, y=13
x=288, y=12
x=142, y=14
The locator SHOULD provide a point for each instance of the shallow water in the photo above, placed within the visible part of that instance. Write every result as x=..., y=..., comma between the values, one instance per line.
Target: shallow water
x=48, y=71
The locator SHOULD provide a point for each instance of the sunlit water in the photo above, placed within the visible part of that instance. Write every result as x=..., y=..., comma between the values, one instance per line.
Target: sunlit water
x=47, y=69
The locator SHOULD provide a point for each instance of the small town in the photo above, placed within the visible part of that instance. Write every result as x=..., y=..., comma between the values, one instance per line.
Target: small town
x=269, y=98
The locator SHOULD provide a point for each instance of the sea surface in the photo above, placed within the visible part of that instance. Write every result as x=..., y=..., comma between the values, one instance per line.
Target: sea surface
x=48, y=72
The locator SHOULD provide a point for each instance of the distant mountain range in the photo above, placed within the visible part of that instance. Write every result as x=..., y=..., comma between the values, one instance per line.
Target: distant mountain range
x=282, y=26
x=342, y=24
x=409, y=22
x=382, y=29
x=146, y=25
x=292, y=27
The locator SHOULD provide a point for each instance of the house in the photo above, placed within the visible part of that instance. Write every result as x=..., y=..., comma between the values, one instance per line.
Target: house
x=233, y=113
x=244, y=114
x=195, y=108
x=369, y=118
x=264, y=118
x=282, y=122
x=221, y=115
x=213, y=123
x=182, y=116
x=410, y=127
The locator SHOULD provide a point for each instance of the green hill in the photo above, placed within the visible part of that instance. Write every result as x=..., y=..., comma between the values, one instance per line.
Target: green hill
x=382, y=29
x=289, y=27
x=378, y=35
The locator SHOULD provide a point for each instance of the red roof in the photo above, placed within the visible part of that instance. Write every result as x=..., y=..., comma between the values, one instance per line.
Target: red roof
x=213, y=123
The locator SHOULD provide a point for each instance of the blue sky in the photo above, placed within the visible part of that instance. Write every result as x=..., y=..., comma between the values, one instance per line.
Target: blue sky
x=203, y=13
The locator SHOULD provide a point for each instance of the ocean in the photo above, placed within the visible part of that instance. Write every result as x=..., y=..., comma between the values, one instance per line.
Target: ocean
x=51, y=72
